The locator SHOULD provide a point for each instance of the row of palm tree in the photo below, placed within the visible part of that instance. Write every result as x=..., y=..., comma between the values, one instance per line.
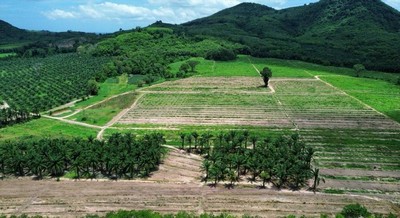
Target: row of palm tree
x=121, y=156
x=9, y=116
x=232, y=156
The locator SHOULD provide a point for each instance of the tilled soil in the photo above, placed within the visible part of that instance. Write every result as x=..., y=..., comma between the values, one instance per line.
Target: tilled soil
x=175, y=187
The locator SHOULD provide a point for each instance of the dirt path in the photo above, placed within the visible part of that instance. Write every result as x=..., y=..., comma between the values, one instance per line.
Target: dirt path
x=73, y=122
x=118, y=117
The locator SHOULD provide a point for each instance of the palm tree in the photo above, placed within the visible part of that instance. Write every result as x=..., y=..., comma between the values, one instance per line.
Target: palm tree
x=195, y=136
x=182, y=135
x=317, y=179
x=254, y=140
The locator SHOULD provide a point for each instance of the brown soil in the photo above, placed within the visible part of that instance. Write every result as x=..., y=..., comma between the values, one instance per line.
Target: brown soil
x=173, y=188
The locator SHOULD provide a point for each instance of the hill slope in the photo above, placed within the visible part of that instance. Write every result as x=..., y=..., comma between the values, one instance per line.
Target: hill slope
x=340, y=32
x=13, y=39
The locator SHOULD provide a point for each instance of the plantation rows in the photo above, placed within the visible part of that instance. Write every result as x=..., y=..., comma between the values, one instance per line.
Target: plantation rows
x=38, y=84
x=207, y=109
x=121, y=156
x=284, y=162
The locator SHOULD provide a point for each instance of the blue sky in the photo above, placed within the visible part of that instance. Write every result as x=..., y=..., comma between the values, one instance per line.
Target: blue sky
x=103, y=16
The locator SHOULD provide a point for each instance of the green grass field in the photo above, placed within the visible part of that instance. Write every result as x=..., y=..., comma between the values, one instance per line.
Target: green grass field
x=108, y=89
x=45, y=128
x=3, y=55
x=102, y=113
x=381, y=95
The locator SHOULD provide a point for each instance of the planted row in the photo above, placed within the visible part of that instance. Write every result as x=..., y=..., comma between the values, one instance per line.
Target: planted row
x=284, y=162
x=121, y=156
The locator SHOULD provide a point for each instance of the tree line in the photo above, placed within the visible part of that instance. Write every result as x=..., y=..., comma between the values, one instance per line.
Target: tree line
x=9, y=116
x=233, y=156
x=120, y=156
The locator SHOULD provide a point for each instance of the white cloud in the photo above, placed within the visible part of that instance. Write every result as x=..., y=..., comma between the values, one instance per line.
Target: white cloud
x=56, y=14
x=172, y=11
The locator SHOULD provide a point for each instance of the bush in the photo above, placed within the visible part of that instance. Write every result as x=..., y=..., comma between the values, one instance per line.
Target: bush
x=221, y=54
x=355, y=211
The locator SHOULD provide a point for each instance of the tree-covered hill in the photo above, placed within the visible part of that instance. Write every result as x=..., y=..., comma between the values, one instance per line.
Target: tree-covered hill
x=340, y=32
x=24, y=42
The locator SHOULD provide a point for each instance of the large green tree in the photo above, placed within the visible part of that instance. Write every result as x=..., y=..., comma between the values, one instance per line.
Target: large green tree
x=266, y=74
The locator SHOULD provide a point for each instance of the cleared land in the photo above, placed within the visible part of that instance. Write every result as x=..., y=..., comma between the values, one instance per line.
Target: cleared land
x=357, y=145
x=173, y=188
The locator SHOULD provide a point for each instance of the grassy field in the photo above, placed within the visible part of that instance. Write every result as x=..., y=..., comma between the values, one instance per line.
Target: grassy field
x=3, y=55
x=108, y=89
x=208, y=68
x=382, y=96
x=102, y=113
x=45, y=128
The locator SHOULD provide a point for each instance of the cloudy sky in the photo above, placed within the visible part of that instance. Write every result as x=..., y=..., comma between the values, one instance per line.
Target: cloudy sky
x=103, y=16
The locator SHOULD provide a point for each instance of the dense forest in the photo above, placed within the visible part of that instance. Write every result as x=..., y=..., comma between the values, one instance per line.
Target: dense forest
x=329, y=32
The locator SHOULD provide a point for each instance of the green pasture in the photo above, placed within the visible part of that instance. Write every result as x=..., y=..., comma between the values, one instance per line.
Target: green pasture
x=44, y=127
x=102, y=113
x=381, y=95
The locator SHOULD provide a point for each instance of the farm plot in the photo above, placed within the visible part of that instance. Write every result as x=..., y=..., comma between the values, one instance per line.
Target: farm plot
x=175, y=187
x=358, y=161
x=212, y=84
x=314, y=104
x=208, y=109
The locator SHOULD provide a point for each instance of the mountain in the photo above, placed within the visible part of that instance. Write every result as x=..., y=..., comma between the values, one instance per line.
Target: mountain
x=339, y=32
x=13, y=39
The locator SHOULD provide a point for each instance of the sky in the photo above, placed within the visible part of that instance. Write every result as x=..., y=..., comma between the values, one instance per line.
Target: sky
x=104, y=16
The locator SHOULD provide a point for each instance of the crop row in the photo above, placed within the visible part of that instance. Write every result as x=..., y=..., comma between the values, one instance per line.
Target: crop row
x=43, y=83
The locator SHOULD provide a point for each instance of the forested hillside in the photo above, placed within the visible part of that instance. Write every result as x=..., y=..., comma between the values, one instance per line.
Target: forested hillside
x=339, y=32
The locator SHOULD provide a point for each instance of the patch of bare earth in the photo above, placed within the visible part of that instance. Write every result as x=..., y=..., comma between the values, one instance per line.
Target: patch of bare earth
x=175, y=187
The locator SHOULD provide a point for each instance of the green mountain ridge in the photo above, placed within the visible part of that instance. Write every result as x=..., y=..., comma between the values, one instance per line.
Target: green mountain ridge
x=339, y=32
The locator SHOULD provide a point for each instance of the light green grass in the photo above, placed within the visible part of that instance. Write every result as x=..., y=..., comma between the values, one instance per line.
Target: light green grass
x=45, y=128
x=239, y=67
x=102, y=113
x=3, y=55
x=107, y=90
x=381, y=95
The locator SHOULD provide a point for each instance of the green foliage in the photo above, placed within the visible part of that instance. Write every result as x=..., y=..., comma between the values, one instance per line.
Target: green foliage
x=44, y=83
x=358, y=68
x=221, y=54
x=286, y=161
x=121, y=156
x=184, y=67
x=355, y=211
x=193, y=64
x=9, y=116
x=341, y=33
x=266, y=74
x=92, y=87
x=144, y=51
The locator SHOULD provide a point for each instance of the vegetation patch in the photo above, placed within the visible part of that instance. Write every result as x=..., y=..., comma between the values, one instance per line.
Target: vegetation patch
x=121, y=156
x=102, y=113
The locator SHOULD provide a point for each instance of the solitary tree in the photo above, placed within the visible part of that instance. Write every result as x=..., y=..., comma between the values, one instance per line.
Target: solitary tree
x=92, y=87
x=358, y=68
x=266, y=74
x=193, y=65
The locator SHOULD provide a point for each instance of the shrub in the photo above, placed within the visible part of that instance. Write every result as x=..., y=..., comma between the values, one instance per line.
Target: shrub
x=355, y=211
x=221, y=54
